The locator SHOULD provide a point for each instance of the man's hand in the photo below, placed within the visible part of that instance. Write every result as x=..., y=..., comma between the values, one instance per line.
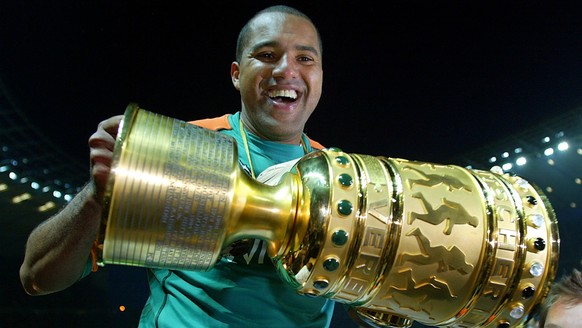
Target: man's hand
x=101, y=144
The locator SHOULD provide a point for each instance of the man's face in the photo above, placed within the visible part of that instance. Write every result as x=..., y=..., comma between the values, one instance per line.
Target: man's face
x=563, y=314
x=280, y=76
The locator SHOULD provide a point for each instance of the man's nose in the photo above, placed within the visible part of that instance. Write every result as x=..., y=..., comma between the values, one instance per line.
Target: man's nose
x=285, y=68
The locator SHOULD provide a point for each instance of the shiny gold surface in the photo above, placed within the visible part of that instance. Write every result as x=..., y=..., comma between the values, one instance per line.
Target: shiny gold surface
x=438, y=244
x=399, y=240
x=176, y=196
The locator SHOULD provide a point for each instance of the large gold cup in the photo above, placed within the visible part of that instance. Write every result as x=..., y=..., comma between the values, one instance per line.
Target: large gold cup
x=398, y=240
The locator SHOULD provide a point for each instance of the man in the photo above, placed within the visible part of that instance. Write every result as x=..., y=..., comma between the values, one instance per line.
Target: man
x=278, y=72
x=563, y=306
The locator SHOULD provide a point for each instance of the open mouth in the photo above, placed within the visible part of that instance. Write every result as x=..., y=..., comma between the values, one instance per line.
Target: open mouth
x=283, y=95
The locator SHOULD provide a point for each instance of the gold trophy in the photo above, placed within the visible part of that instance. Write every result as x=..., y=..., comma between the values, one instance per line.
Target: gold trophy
x=398, y=240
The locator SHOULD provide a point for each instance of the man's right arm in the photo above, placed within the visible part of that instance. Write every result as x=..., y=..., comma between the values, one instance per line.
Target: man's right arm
x=57, y=251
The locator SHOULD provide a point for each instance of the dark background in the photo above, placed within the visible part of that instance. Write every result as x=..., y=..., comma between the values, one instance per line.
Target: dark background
x=415, y=79
x=425, y=80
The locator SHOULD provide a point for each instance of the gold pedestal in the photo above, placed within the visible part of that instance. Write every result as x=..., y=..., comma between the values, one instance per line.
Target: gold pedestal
x=399, y=240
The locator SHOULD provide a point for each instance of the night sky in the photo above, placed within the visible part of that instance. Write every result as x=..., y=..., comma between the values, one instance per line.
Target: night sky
x=422, y=80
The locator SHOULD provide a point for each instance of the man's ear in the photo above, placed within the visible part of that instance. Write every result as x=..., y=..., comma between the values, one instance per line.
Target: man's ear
x=234, y=75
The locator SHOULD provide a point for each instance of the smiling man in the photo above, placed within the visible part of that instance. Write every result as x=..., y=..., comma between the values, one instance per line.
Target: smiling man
x=278, y=72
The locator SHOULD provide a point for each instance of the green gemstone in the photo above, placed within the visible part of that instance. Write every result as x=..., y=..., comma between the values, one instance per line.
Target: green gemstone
x=345, y=179
x=320, y=284
x=342, y=160
x=344, y=207
x=331, y=264
x=339, y=237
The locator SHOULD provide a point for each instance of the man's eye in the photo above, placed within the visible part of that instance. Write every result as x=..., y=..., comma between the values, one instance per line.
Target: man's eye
x=305, y=59
x=265, y=55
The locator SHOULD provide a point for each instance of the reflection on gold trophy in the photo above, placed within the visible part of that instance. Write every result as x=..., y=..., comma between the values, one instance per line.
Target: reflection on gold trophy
x=398, y=240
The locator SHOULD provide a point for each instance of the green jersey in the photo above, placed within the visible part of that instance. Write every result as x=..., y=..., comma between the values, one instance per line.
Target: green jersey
x=243, y=289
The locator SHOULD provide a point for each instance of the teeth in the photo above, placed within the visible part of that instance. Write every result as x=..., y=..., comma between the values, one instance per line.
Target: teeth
x=283, y=93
